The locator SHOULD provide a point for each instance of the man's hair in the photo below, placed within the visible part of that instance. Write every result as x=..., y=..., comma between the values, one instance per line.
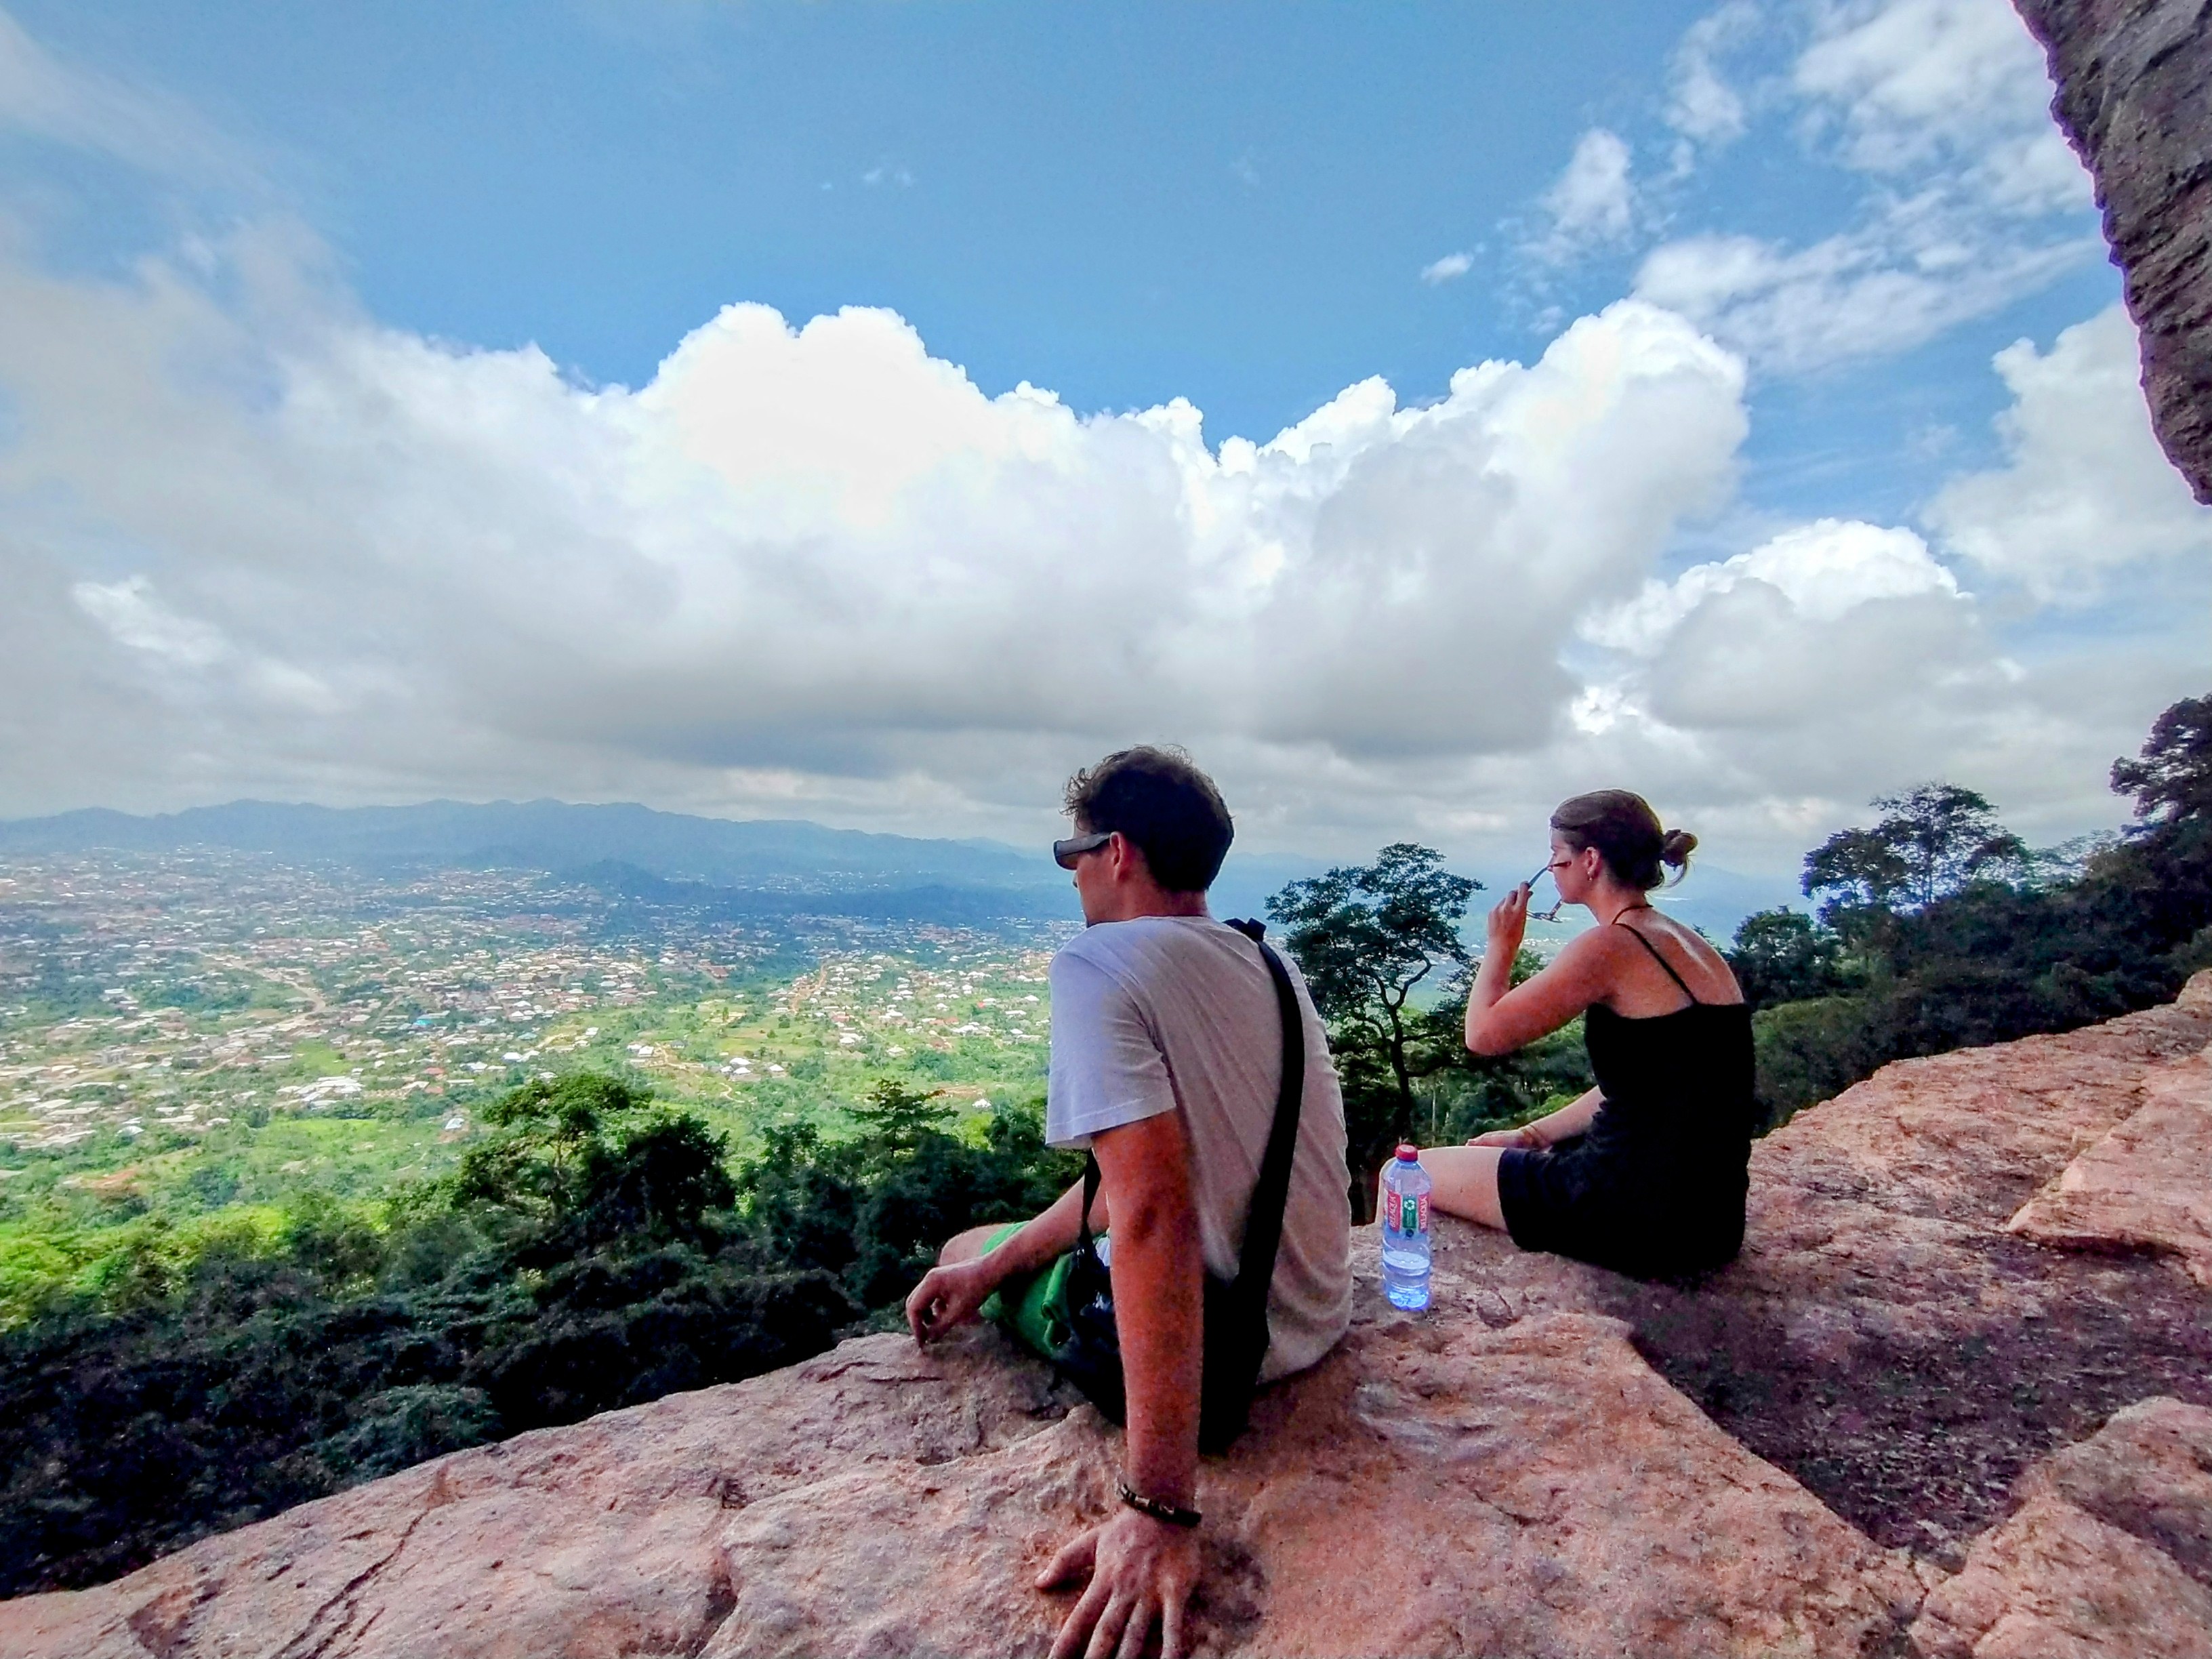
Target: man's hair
x=1168, y=810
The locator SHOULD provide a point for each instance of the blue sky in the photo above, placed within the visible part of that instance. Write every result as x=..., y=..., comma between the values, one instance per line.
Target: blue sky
x=1125, y=203
x=1856, y=206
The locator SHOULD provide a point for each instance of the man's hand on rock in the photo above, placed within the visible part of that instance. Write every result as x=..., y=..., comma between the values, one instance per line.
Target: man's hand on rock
x=949, y=1296
x=1141, y=1570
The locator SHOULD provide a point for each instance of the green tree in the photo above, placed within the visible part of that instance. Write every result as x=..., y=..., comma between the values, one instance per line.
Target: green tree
x=1855, y=870
x=2172, y=779
x=1929, y=842
x=874, y=1208
x=2156, y=885
x=1784, y=956
x=548, y=1131
x=898, y=1117
x=1366, y=937
x=585, y=1160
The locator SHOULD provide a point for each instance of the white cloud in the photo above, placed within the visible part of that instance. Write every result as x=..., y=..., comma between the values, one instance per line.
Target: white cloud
x=130, y=613
x=813, y=570
x=2086, y=494
x=1593, y=201
x=1836, y=660
x=44, y=97
x=1911, y=78
x=1451, y=267
x=1863, y=292
x=254, y=542
x=1972, y=197
x=1703, y=106
x=815, y=547
x=1823, y=569
x=1916, y=83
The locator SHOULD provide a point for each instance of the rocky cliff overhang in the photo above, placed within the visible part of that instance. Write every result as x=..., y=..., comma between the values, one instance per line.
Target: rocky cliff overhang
x=2134, y=96
x=1955, y=1399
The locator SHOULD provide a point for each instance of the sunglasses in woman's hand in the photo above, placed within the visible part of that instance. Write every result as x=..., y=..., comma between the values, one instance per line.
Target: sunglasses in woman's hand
x=1551, y=915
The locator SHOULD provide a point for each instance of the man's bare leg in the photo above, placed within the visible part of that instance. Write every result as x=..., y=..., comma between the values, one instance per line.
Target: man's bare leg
x=966, y=1247
x=1467, y=1182
x=1060, y=1223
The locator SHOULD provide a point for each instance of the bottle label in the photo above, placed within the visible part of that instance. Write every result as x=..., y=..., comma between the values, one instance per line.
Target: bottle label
x=1408, y=1213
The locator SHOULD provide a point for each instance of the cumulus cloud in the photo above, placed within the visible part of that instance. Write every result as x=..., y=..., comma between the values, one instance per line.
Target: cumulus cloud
x=813, y=570
x=1824, y=570
x=1823, y=633
x=815, y=543
x=1778, y=689
x=2086, y=495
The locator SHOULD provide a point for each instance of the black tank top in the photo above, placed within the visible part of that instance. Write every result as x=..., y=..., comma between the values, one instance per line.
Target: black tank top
x=1679, y=1110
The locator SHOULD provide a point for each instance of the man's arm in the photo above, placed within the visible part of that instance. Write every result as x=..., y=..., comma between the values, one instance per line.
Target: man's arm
x=1160, y=1299
x=1142, y=1568
x=951, y=1293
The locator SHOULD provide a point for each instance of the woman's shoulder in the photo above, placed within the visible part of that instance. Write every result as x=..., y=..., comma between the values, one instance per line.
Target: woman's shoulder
x=1685, y=948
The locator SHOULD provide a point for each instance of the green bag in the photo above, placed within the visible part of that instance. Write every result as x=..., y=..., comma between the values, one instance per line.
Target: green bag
x=1033, y=1307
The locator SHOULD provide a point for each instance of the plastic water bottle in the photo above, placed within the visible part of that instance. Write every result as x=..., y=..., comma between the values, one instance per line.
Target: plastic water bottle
x=1405, y=1203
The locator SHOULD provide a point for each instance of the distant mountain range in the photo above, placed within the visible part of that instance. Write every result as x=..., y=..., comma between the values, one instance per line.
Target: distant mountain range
x=757, y=865
x=546, y=834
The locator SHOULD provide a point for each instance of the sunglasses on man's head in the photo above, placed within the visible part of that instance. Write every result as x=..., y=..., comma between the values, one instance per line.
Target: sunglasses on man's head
x=1064, y=853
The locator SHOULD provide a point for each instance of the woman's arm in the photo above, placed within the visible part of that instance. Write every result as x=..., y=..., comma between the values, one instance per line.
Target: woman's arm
x=1572, y=1119
x=1502, y=1016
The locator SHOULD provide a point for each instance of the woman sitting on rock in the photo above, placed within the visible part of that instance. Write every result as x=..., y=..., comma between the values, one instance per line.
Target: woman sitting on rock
x=1645, y=1174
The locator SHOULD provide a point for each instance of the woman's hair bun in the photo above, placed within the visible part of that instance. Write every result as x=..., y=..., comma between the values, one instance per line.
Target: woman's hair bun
x=1675, y=848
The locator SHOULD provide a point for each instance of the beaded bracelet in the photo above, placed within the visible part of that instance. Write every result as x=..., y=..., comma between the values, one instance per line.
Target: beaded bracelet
x=1159, y=1509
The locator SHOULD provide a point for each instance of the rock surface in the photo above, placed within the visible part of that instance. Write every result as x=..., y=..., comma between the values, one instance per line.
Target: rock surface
x=2108, y=1556
x=2146, y=1186
x=1851, y=1402
x=1559, y=1497
x=2135, y=94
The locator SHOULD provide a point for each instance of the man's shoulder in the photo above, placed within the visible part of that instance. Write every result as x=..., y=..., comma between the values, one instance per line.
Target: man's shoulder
x=1146, y=945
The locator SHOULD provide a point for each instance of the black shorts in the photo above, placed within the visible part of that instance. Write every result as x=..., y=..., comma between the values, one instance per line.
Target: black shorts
x=1570, y=1200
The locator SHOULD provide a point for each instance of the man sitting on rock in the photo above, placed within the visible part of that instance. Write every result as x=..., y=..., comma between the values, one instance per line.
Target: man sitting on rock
x=1167, y=1056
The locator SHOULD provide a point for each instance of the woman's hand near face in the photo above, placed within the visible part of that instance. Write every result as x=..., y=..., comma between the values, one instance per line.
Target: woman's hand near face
x=1509, y=921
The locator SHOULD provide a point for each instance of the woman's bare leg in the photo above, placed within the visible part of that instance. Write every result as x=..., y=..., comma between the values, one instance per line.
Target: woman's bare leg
x=1467, y=1182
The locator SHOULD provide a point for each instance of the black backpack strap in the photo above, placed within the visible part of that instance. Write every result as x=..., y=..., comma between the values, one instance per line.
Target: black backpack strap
x=1092, y=1176
x=1263, y=1224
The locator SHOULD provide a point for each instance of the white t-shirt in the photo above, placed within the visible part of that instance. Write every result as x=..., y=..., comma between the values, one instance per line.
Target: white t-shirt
x=1164, y=1013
